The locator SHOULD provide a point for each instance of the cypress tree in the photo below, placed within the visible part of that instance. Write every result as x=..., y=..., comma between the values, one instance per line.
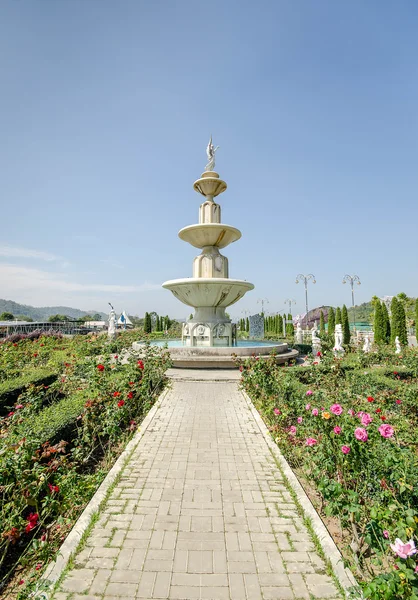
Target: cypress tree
x=402, y=330
x=379, y=331
x=290, y=330
x=346, y=326
x=394, y=309
x=147, y=323
x=247, y=325
x=338, y=316
x=331, y=322
x=416, y=319
x=157, y=324
x=280, y=325
x=321, y=323
x=386, y=324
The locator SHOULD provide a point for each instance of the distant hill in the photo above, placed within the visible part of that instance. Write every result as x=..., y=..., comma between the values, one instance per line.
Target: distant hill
x=42, y=313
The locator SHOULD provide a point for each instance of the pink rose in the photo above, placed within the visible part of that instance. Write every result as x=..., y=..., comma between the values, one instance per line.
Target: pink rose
x=336, y=409
x=309, y=393
x=386, y=533
x=277, y=411
x=366, y=419
x=300, y=419
x=351, y=412
x=292, y=430
x=308, y=407
x=337, y=430
x=403, y=550
x=345, y=449
x=315, y=412
x=311, y=441
x=386, y=431
x=361, y=434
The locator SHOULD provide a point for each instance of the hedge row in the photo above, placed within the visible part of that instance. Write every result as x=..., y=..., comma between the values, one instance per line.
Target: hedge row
x=11, y=390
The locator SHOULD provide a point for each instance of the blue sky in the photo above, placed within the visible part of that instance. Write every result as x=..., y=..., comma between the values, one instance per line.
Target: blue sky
x=105, y=113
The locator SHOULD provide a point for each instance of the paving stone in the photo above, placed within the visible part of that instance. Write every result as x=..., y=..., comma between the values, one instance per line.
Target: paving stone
x=201, y=512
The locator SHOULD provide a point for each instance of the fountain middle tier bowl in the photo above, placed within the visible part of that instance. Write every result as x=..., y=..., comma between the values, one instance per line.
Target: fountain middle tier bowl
x=209, y=234
x=215, y=292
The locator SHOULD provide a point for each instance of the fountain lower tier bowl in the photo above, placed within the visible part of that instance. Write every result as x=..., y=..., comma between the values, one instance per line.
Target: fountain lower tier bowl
x=215, y=292
x=209, y=234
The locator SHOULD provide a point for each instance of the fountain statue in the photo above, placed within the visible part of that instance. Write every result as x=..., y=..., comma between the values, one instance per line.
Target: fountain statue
x=398, y=345
x=316, y=342
x=338, y=348
x=299, y=333
x=366, y=345
x=111, y=331
x=210, y=291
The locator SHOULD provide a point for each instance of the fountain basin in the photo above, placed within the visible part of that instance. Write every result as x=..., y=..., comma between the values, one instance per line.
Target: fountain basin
x=210, y=234
x=208, y=292
x=214, y=357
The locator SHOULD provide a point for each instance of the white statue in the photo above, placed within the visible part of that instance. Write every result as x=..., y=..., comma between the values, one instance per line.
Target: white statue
x=111, y=330
x=299, y=333
x=316, y=342
x=398, y=345
x=338, y=348
x=366, y=345
x=210, y=151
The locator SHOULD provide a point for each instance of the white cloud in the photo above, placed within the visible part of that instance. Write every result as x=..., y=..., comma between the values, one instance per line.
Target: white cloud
x=14, y=252
x=16, y=279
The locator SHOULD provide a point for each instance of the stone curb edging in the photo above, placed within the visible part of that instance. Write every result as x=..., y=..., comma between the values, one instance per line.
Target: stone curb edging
x=332, y=554
x=69, y=547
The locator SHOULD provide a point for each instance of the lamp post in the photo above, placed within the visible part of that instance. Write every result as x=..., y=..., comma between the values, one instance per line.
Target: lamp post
x=352, y=279
x=290, y=301
x=305, y=279
x=262, y=300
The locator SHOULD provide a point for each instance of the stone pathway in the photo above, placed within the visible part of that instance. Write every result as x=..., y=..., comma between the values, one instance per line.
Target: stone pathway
x=201, y=512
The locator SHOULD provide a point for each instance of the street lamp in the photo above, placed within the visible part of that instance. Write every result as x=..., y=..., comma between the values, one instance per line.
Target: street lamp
x=262, y=300
x=352, y=279
x=305, y=279
x=290, y=301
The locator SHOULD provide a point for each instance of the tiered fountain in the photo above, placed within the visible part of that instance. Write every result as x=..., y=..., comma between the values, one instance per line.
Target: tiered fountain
x=208, y=338
x=209, y=291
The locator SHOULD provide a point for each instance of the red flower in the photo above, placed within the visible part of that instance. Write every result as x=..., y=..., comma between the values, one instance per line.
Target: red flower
x=66, y=364
x=130, y=394
x=53, y=488
x=33, y=520
x=11, y=414
x=383, y=418
x=43, y=537
x=121, y=403
x=318, y=354
x=140, y=364
x=35, y=355
x=21, y=582
x=100, y=367
x=395, y=372
x=42, y=344
x=370, y=399
x=378, y=410
x=15, y=345
x=131, y=383
x=241, y=368
x=38, y=566
x=116, y=394
x=116, y=356
x=398, y=401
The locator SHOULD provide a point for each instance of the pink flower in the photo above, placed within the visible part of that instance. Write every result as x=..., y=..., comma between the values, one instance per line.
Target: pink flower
x=398, y=401
x=345, y=449
x=300, y=419
x=309, y=393
x=366, y=419
x=337, y=430
x=386, y=533
x=403, y=550
x=277, y=411
x=311, y=441
x=361, y=434
x=292, y=430
x=18, y=406
x=350, y=412
x=308, y=407
x=386, y=431
x=336, y=409
x=315, y=412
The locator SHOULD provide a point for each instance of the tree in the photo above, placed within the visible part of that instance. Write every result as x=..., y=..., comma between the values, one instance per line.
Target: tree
x=147, y=323
x=6, y=316
x=58, y=318
x=247, y=325
x=331, y=322
x=190, y=316
x=338, y=316
x=378, y=326
x=157, y=324
x=96, y=317
x=416, y=319
x=386, y=324
x=398, y=325
x=321, y=323
x=290, y=330
x=345, y=326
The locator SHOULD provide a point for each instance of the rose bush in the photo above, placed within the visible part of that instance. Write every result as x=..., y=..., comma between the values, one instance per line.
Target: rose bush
x=357, y=444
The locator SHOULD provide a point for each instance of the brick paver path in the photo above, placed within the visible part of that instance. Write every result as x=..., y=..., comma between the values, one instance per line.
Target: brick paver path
x=201, y=511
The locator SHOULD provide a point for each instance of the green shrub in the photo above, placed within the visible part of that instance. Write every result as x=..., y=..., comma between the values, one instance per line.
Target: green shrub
x=10, y=390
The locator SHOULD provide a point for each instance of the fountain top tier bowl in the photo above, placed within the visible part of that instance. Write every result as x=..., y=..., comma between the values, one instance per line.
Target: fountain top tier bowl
x=208, y=292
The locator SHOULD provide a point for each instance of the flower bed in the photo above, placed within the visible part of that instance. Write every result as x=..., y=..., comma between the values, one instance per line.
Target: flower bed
x=349, y=429
x=59, y=440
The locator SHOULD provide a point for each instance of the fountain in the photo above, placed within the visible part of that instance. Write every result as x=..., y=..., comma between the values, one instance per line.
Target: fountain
x=209, y=337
